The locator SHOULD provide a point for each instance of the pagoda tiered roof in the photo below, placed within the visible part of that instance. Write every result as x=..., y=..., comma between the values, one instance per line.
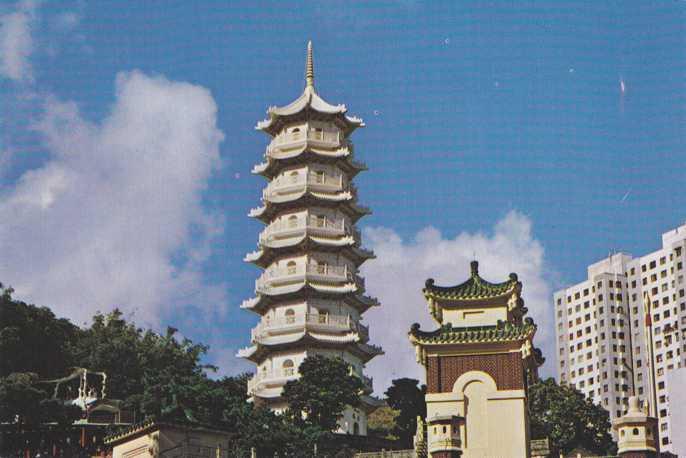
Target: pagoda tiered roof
x=345, y=201
x=271, y=167
x=475, y=288
x=260, y=302
x=351, y=341
x=447, y=334
x=266, y=254
x=309, y=101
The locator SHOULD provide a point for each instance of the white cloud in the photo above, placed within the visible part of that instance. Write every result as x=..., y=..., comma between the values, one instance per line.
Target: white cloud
x=16, y=42
x=114, y=218
x=398, y=274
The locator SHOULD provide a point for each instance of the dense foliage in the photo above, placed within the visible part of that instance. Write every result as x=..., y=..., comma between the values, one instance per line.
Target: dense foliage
x=319, y=395
x=407, y=398
x=381, y=423
x=162, y=376
x=569, y=419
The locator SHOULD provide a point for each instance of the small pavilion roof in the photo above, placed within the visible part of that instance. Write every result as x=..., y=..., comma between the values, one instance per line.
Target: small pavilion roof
x=309, y=99
x=475, y=288
x=446, y=334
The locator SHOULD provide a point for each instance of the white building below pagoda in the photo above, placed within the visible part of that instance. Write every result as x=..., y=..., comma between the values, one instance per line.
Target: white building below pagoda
x=310, y=297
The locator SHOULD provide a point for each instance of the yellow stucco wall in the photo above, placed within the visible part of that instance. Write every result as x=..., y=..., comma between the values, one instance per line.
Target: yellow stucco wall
x=495, y=421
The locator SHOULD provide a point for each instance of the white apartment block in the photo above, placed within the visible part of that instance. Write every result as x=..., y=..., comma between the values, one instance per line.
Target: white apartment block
x=601, y=327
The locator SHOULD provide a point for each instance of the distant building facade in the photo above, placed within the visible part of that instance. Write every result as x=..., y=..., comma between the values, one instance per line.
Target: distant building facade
x=479, y=364
x=624, y=321
x=310, y=297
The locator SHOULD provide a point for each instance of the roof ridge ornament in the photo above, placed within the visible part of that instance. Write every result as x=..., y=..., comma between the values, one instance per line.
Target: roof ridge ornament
x=309, y=67
x=474, y=265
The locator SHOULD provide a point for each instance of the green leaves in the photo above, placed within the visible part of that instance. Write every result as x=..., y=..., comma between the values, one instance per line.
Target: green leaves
x=24, y=403
x=325, y=387
x=407, y=397
x=570, y=420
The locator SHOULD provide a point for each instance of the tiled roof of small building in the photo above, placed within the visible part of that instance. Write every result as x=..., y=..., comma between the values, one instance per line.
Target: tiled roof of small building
x=474, y=288
x=446, y=334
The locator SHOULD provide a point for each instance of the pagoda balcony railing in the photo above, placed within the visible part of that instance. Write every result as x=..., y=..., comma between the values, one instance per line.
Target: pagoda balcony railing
x=301, y=182
x=444, y=444
x=279, y=377
x=322, y=273
x=311, y=224
x=313, y=137
x=315, y=321
x=272, y=377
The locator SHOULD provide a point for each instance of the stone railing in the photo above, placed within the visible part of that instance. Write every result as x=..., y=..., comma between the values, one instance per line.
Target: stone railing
x=317, y=272
x=298, y=183
x=311, y=223
x=277, y=375
x=319, y=321
x=314, y=137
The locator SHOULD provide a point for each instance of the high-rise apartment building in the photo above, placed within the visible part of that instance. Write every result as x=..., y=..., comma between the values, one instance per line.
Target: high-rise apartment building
x=621, y=330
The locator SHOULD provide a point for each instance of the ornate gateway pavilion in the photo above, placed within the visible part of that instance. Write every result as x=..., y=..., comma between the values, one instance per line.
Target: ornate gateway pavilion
x=310, y=298
x=479, y=363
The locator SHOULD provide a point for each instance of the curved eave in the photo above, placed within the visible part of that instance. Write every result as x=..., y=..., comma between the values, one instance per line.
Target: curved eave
x=343, y=338
x=340, y=152
x=271, y=167
x=471, y=336
x=267, y=252
x=346, y=203
x=457, y=298
x=335, y=289
x=351, y=342
x=308, y=100
x=259, y=303
x=474, y=289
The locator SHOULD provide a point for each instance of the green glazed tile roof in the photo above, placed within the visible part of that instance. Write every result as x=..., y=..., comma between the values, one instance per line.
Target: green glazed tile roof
x=503, y=332
x=474, y=288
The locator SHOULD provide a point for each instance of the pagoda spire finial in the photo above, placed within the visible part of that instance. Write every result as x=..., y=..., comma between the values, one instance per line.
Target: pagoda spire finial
x=309, y=67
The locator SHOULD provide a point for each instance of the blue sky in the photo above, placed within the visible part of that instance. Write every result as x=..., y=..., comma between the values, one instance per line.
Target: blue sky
x=553, y=128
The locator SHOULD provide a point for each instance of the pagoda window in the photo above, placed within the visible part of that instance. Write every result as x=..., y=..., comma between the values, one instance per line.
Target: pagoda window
x=322, y=316
x=356, y=429
x=291, y=268
x=320, y=176
x=290, y=316
x=318, y=133
x=320, y=220
x=288, y=367
x=321, y=267
x=292, y=221
x=635, y=431
x=293, y=176
x=295, y=133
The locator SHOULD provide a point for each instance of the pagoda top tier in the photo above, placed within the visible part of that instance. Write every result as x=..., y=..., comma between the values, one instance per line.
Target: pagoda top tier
x=308, y=102
x=476, y=302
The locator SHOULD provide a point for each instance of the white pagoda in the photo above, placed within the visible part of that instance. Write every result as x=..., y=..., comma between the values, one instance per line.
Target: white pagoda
x=310, y=298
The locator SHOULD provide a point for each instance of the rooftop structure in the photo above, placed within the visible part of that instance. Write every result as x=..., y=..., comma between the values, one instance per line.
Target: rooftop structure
x=479, y=363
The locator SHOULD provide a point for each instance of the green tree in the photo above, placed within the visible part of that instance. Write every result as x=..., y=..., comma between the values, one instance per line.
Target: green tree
x=23, y=402
x=32, y=339
x=317, y=399
x=407, y=397
x=112, y=345
x=157, y=375
x=381, y=422
x=569, y=419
